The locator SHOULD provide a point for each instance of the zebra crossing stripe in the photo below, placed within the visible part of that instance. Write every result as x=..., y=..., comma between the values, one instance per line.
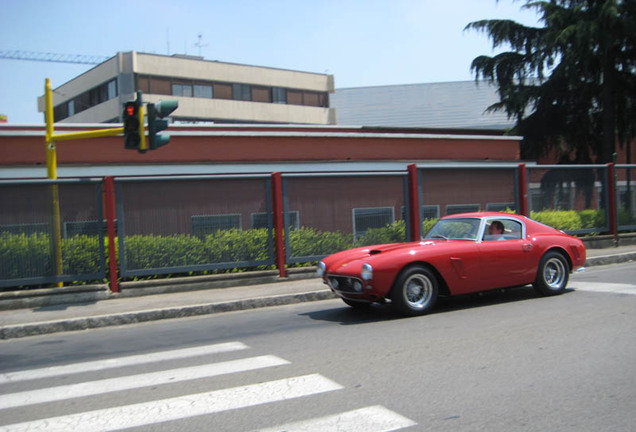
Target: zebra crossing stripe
x=147, y=413
x=615, y=288
x=369, y=419
x=97, y=365
x=92, y=388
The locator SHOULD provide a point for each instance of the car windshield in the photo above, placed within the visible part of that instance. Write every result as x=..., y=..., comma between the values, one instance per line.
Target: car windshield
x=455, y=229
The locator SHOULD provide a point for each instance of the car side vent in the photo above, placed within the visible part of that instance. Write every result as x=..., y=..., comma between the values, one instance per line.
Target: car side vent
x=374, y=252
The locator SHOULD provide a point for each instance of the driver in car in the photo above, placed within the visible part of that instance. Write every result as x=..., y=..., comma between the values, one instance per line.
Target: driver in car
x=495, y=231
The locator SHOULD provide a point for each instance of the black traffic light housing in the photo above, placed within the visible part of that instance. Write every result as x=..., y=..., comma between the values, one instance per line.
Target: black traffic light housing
x=157, y=122
x=132, y=137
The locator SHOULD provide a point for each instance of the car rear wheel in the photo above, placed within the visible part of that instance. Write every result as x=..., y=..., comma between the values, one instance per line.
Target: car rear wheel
x=552, y=275
x=415, y=291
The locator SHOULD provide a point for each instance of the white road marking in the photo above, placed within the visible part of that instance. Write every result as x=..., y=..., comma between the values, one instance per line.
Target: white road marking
x=369, y=419
x=616, y=288
x=92, y=388
x=181, y=407
x=91, y=366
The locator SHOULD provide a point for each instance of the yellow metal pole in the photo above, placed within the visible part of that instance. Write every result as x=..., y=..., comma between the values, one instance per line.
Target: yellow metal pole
x=143, y=146
x=51, y=156
x=51, y=171
x=99, y=133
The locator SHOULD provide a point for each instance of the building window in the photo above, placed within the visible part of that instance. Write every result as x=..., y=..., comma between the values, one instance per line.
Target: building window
x=374, y=217
x=500, y=206
x=222, y=91
x=259, y=220
x=203, y=225
x=294, y=97
x=461, y=208
x=262, y=94
x=70, y=108
x=182, y=90
x=279, y=95
x=242, y=92
x=236, y=91
x=90, y=228
x=111, y=89
x=203, y=91
x=430, y=212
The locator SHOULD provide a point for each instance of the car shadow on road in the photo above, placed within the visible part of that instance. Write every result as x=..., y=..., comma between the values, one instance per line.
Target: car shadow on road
x=346, y=315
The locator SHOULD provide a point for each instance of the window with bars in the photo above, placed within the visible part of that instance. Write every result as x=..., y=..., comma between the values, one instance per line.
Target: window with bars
x=373, y=217
x=461, y=208
x=259, y=220
x=203, y=225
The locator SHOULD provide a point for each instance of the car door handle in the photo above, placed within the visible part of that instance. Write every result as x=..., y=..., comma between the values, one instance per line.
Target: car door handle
x=526, y=247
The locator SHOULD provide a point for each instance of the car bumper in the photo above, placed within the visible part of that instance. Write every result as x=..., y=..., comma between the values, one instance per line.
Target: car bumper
x=351, y=287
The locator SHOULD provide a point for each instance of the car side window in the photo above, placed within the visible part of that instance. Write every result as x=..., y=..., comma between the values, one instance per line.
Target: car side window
x=511, y=230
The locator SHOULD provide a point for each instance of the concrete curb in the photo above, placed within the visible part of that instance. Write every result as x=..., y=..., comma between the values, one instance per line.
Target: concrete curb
x=84, y=323
x=610, y=259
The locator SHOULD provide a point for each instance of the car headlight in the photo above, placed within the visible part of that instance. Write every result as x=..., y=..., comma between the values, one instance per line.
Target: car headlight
x=367, y=272
x=321, y=267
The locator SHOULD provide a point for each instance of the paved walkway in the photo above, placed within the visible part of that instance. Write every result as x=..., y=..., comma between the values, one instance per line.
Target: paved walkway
x=120, y=310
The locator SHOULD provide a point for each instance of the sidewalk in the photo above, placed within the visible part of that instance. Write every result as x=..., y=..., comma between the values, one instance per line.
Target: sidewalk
x=120, y=310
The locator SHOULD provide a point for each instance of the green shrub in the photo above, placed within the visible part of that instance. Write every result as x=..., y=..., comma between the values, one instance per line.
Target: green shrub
x=307, y=241
x=27, y=256
x=391, y=233
x=234, y=245
x=427, y=225
x=592, y=218
x=81, y=255
x=24, y=256
x=566, y=220
x=152, y=251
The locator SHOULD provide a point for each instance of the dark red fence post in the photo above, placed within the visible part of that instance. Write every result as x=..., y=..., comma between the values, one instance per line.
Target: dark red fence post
x=109, y=207
x=523, y=190
x=611, y=200
x=279, y=222
x=414, y=203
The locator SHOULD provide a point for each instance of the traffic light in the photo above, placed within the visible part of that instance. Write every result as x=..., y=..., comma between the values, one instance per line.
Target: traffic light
x=132, y=137
x=157, y=122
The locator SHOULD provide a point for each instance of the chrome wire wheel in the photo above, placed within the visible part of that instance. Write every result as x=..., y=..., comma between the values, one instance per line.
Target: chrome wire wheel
x=418, y=291
x=415, y=290
x=553, y=274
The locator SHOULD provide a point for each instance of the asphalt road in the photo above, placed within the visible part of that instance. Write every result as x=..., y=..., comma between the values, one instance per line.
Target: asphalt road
x=499, y=362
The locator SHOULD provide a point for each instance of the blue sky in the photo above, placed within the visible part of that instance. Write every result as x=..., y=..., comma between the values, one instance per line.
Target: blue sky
x=360, y=42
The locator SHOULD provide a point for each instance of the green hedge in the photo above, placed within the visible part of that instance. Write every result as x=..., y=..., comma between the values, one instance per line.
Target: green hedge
x=29, y=256
x=570, y=220
x=151, y=251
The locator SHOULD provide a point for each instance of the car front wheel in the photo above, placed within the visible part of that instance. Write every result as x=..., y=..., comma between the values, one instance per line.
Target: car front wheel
x=415, y=291
x=552, y=275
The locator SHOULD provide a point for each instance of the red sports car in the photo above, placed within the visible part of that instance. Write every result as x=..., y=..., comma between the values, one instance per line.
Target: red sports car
x=461, y=254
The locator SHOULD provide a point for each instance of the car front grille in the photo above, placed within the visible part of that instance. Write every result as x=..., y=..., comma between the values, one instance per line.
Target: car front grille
x=345, y=284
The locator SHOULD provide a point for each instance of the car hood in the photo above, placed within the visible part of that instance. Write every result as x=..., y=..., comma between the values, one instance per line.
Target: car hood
x=351, y=261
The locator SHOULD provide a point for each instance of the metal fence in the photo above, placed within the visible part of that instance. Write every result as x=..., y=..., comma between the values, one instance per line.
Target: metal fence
x=193, y=224
x=626, y=197
x=583, y=190
x=328, y=212
x=54, y=232
x=448, y=189
x=51, y=232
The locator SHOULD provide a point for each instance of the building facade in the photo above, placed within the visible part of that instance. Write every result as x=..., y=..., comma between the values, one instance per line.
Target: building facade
x=207, y=91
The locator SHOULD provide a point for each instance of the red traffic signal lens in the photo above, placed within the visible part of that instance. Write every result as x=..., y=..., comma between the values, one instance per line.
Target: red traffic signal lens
x=130, y=110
